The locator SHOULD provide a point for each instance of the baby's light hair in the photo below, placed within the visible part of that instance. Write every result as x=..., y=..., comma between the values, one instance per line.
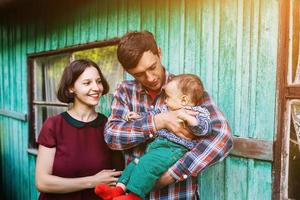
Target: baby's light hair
x=190, y=85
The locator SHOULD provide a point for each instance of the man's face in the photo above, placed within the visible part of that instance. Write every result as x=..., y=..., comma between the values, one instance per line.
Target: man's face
x=149, y=71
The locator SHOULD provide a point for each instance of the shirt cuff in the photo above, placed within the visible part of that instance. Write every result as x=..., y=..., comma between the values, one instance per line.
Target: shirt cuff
x=178, y=174
x=150, y=129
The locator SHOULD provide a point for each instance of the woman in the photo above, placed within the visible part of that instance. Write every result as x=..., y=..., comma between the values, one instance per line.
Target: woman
x=72, y=155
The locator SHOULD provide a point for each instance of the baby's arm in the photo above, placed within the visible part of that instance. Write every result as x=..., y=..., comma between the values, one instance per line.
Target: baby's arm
x=197, y=120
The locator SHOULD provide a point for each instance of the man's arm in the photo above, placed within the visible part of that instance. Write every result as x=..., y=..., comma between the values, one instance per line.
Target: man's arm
x=121, y=134
x=210, y=148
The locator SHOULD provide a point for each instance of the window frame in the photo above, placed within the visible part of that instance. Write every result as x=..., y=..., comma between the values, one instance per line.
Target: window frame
x=32, y=145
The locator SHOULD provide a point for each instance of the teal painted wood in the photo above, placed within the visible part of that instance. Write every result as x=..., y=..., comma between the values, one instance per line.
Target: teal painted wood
x=231, y=45
x=162, y=29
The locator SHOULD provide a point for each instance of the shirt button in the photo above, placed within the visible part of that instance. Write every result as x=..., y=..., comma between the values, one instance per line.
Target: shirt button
x=151, y=106
x=151, y=135
x=185, y=176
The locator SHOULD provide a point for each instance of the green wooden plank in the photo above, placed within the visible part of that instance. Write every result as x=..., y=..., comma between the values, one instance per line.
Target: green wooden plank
x=253, y=65
x=236, y=176
x=112, y=26
x=102, y=20
x=239, y=67
x=162, y=29
x=85, y=22
x=123, y=18
x=134, y=16
x=191, y=28
x=266, y=75
x=206, y=45
x=176, y=35
x=227, y=63
x=148, y=15
x=31, y=171
x=242, y=129
x=93, y=21
x=216, y=50
x=39, y=20
x=261, y=174
x=197, y=39
x=76, y=28
x=212, y=182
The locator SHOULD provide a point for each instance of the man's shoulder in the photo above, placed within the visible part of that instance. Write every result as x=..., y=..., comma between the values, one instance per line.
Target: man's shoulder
x=128, y=83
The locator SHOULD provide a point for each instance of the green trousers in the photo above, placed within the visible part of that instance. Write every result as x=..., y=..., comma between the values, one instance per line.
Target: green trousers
x=160, y=155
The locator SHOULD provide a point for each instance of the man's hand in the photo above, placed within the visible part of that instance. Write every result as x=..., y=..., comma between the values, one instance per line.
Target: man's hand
x=164, y=180
x=172, y=121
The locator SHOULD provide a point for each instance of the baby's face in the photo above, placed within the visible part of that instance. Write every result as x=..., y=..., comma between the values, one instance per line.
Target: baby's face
x=173, y=96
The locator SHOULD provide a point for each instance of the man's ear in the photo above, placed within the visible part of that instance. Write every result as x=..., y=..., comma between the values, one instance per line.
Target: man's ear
x=159, y=53
x=185, y=100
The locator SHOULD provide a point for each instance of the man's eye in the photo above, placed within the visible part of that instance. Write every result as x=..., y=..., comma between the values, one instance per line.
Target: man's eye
x=86, y=83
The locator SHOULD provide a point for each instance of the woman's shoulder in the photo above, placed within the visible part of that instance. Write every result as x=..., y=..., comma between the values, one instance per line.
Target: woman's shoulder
x=52, y=120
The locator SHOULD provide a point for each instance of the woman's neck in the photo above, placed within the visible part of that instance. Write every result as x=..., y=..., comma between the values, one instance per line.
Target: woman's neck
x=85, y=114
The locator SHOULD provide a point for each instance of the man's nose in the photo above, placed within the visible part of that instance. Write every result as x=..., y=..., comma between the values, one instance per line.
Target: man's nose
x=150, y=77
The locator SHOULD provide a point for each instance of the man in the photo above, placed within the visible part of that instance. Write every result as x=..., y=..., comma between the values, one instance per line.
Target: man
x=139, y=55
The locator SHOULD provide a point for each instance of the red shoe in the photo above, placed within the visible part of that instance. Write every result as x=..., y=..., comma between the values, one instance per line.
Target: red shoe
x=129, y=196
x=108, y=193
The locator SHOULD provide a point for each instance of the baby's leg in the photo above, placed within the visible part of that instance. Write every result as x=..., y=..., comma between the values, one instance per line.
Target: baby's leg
x=108, y=193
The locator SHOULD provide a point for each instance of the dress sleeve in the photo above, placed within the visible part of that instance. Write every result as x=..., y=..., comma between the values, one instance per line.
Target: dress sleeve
x=47, y=136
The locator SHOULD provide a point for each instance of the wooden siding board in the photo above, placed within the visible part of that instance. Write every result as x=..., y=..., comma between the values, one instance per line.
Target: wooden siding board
x=212, y=185
x=239, y=60
x=162, y=29
x=134, y=16
x=190, y=38
x=112, y=27
x=123, y=18
x=227, y=60
x=243, y=127
x=148, y=15
x=236, y=174
x=255, y=22
x=102, y=19
x=176, y=35
x=266, y=75
x=216, y=49
x=207, y=34
x=93, y=21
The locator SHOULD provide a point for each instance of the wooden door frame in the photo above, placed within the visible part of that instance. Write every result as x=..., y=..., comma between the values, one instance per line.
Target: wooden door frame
x=284, y=94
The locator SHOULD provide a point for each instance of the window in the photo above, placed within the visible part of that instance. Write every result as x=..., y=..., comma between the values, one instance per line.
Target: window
x=45, y=71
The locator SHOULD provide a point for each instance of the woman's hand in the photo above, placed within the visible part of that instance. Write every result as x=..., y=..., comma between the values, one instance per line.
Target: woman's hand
x=108, y=177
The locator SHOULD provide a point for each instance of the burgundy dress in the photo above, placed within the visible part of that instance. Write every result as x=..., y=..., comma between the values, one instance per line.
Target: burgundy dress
x=80, y=151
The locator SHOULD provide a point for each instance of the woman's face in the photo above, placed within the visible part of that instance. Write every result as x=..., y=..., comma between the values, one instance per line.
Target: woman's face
x=88, y=88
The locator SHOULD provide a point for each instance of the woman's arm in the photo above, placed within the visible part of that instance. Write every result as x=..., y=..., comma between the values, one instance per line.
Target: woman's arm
x=46, y=182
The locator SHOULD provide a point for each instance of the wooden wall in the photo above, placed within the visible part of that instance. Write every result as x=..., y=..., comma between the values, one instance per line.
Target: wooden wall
x=230, y=44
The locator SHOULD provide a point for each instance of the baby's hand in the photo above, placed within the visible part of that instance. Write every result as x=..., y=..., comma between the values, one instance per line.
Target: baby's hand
x=132, y=115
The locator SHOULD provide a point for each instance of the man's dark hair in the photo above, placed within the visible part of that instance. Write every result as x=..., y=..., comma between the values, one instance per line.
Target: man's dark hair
x=132, y=47
x=71, y=74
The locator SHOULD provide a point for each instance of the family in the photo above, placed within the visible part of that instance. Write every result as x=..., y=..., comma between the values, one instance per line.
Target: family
x=166, y=126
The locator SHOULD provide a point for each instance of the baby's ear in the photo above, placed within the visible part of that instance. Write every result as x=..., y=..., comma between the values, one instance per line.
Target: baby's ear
x=185, y=100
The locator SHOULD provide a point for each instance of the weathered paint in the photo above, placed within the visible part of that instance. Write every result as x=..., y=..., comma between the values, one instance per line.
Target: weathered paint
x=231, y=45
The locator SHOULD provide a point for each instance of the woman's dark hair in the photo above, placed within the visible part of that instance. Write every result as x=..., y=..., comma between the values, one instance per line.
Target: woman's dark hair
x=71, y=74
x=132, y=47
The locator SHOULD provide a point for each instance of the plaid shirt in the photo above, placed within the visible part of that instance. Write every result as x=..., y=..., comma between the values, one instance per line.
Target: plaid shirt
x=133, y=136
